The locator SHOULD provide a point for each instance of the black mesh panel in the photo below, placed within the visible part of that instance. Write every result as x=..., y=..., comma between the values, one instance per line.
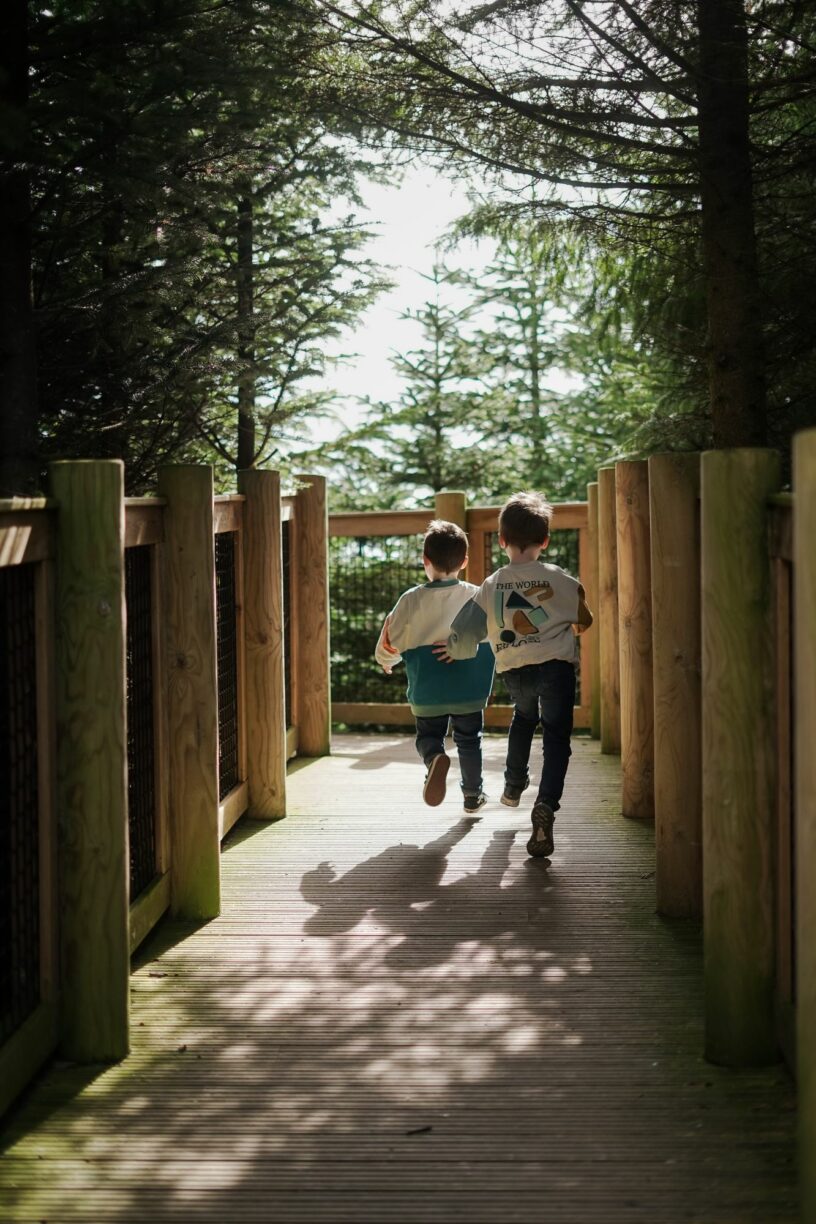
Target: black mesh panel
x=19, y=801
x=367, y=576
x=140, y=719
x=287, y=619
x=228, y=777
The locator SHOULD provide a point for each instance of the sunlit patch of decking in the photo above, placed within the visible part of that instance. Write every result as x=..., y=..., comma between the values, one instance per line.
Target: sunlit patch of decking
x=400, y=1017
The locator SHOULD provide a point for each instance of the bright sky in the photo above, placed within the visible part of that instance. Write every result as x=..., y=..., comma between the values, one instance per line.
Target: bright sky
x=408, y=220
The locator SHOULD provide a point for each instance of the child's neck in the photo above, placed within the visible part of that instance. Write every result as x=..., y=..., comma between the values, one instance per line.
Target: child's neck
x=522, y=556
x=435, y=575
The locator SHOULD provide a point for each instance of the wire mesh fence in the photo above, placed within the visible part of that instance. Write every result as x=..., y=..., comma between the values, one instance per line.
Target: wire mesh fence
x=19, y=801
x=367, y=575
x=286, y=552
x=227, y=662
x=141, y=744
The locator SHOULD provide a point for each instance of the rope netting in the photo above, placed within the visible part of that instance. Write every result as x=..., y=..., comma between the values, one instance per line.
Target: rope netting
x=19, y=801
x=227, y=662
x=140, y=718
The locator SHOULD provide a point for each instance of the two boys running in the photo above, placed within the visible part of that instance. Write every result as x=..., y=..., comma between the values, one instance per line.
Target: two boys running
x=523, y=621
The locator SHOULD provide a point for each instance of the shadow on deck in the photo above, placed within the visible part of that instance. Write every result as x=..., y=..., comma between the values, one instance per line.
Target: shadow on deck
x=400, y=1016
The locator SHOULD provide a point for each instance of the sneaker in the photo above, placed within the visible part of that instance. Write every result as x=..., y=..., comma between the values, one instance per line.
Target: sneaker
x=541, y=843
x=474, y=802
x=435, y=780
x=512, y=794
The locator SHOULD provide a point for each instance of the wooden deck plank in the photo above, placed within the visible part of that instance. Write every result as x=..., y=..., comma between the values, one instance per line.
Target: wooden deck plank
x=400, y=1016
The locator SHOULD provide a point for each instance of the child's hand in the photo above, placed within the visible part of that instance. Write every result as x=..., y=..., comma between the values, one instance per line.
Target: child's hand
x=388, y=670
x=440, y=649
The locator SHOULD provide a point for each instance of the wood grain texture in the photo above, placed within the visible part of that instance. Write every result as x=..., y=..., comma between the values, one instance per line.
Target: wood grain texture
x=592, y=644
x=313, y=691
x=400, y=1017
x=265, y=704
x=608, y=630
x=804, y=535
x=26, y=536
x=738, y=755
x=566, y=516
x=378, y=522
x=451, y=507
x=635, y=639
x=144, y=522
x=674, y=492
x=188, y=583
x=92, y=759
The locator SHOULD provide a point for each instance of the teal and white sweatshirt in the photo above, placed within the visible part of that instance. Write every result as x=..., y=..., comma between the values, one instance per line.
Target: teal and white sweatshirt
x=421, y=616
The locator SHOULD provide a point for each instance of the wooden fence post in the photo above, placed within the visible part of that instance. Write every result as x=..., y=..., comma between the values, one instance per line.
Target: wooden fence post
x=738, y=756
x=92, y=759
x=590, y=646
x=674, y=489
x=635, y=626
x=263, y=631
x=804, y=562
x=312, y=576
x=608, y=631
x=452, y=508
x=192, y=690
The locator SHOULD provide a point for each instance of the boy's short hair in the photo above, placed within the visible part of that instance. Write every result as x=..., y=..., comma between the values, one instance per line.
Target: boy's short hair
x=524, y=519
x=445, y=546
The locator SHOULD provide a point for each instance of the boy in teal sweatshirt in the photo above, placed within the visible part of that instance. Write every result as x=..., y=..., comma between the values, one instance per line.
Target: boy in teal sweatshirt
x=440, y=695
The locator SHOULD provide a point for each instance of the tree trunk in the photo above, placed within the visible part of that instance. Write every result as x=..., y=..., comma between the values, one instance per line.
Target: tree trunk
x=246, y=337
x=19, y=466
x=735, y=347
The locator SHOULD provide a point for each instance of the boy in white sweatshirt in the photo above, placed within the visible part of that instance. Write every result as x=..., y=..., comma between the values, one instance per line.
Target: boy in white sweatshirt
x=440, y=695
x=530, y=612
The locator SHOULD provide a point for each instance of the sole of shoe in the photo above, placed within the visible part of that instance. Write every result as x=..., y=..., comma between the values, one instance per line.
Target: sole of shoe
x=509, y=802
x=436, y=782
x=469, y=811
x=541, y=844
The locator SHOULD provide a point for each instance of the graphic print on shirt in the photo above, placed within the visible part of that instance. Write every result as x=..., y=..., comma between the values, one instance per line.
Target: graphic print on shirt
x=521, y=615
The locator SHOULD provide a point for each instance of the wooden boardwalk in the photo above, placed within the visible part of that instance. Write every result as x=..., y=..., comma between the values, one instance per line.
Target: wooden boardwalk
x=400, y=1017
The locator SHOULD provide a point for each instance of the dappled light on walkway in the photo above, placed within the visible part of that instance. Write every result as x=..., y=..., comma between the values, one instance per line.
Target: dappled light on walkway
x=400, y=1016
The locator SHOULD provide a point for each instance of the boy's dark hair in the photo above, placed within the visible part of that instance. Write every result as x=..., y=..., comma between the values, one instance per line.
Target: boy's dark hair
x=445, y=546
x=524, y=519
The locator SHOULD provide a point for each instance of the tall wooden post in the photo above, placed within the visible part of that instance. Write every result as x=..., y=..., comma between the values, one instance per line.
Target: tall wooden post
x=804, y=561
x=312, y=574
x=674, y=490
x=608, y=632
x=92, y=759
x=263, y=633
x=738, y=755
x=192, y=691
x=635, y=627
x=590, y=646
x=452, y=508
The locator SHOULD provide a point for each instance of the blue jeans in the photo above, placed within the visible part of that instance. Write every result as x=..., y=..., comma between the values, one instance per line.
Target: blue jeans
x=542, y=693
x=467, y=736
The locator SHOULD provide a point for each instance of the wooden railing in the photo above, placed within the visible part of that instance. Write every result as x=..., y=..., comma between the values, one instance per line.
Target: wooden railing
x=707, y=635
x=480, y=523
x=144, y=711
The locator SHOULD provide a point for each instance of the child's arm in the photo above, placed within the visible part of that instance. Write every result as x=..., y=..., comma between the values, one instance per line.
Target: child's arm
x=469, y=628
x=584, y=615
x=386, y=655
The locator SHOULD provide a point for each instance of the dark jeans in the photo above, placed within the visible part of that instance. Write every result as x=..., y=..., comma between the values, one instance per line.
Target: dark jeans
x=467, y=736
x=542, y=693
